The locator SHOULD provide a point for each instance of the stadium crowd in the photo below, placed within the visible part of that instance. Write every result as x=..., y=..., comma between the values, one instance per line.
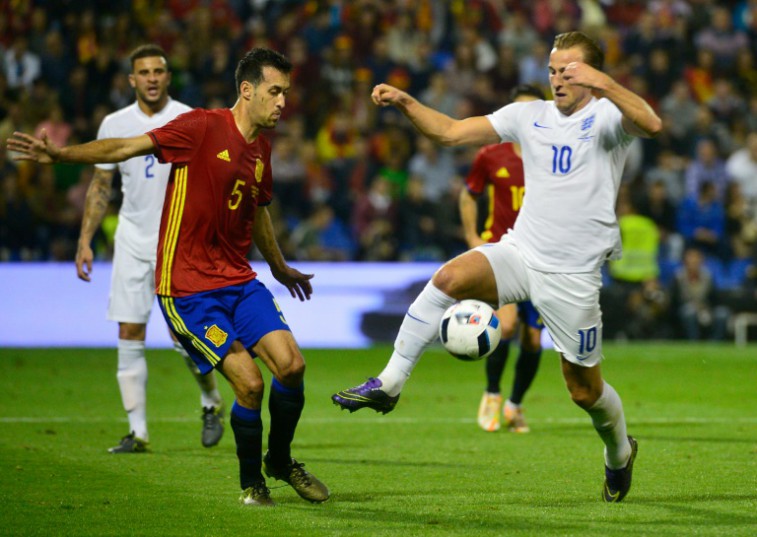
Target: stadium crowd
x=355, y=182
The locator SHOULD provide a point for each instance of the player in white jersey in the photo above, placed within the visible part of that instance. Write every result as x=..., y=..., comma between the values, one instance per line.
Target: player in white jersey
x=573, y=152
x=132, y=291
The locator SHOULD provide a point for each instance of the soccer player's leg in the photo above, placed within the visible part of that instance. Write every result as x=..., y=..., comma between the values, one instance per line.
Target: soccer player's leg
x=203, y=325
x=525, y=368
x=467, y=276
x=491, y=402
x=131, y=299
x=211, y=402
x=569, y=304
x=265, y=331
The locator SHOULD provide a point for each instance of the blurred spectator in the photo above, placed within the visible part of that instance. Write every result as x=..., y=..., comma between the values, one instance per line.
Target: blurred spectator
x=741, y=167
x=740, y=223
x=694, y=298
x=656, y=205
x=722, y=39
x=339, y=67
x=22, y=66
x=434, y=166
x=55, y=61
x=461, y=70
x=700, y=75
x=707, y=167
x=483, y=51
x=679, y=114
x=417, y=228
x=659, y=74
x=403, y=40
x=322, y=237
x=374, y=222
x=517, y=35
x=668, y=171
x=726, y=105
x=291, y=174
x=439, y=95
x=533, y=67
x=17, y=223
x=701, y=221
x=57, y=128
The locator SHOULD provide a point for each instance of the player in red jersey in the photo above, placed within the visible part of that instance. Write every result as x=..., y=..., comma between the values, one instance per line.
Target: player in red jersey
x=215, y=206
x=497, y=171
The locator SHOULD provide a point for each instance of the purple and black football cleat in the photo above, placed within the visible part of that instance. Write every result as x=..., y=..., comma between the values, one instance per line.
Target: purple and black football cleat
x=366, y=395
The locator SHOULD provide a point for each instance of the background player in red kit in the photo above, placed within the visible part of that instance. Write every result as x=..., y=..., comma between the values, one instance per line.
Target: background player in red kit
x=497, y=171
x=215, y=206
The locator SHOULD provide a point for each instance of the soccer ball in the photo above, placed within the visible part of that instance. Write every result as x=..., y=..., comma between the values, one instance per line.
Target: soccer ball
x=470, y=330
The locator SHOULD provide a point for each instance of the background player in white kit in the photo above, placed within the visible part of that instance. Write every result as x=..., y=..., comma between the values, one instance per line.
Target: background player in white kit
x=132, y=291
x=573, y=149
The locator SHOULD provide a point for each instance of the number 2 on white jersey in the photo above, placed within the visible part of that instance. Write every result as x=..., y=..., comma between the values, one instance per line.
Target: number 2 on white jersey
x=150, y=162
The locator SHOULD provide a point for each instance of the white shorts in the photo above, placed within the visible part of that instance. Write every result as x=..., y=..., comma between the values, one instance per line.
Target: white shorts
x=132, y=288
x=568, y=303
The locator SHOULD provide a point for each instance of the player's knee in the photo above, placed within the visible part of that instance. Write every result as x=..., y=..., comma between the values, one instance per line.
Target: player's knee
x=291, y=372
x=584, y=395
x=447, y=280
x=250, y=393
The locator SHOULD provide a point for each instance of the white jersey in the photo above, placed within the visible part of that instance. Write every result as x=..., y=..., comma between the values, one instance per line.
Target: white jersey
x=143, y=179
x=572, y=165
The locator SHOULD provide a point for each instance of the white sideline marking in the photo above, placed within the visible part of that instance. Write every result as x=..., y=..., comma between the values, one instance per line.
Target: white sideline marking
x=381, y=420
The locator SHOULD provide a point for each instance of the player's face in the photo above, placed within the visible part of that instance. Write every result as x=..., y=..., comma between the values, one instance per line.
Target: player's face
x=269, y=98
x=150, y=79
x=568, y=97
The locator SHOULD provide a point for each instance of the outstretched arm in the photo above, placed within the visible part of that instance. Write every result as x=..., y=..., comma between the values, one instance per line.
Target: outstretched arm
x=438, y=127
x=95, y=205
x=265, y=239
x=42, y=150
x=638, y=117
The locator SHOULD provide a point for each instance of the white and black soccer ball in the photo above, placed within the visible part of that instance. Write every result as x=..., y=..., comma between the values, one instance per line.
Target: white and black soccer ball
x=470, y=330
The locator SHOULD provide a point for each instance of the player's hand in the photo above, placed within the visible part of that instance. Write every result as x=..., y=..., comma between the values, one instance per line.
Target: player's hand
x=386, y=95
x=583, y=74
x=40, y=150
x=84, y=257
x=298, y=283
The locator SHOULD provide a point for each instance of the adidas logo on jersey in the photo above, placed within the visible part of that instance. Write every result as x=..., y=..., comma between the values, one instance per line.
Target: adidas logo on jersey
x=224, y=155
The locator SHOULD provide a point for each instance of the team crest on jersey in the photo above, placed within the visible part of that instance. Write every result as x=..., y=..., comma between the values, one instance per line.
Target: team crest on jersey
x=259, y=170
x=224, y=155
x=216, y=336
x=587, y=123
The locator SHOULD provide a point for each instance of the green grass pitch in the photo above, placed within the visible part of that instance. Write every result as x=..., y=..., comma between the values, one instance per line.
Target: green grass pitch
x=424, y=469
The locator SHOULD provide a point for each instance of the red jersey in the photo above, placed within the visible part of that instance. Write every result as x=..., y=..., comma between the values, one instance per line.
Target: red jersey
x=498, y=170
x=217, y=182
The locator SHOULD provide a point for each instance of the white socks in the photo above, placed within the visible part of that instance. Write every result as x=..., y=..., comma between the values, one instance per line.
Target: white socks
x=132, y=380
x=419, y=328
x=609, y=421
x=209, y=395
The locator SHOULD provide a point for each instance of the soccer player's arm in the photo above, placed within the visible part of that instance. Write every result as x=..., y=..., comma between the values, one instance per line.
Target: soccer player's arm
x=42, y=149
x=95, y=206
x=437, y=126
x=639, y=119
x=265, y=239
x=469, y=218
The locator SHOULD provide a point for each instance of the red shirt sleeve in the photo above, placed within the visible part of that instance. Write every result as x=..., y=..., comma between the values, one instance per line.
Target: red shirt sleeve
x=178, y=140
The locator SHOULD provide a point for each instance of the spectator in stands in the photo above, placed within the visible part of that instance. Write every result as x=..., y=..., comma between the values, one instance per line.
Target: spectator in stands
x=374, y=222
x=433, y=166
x=322, y=237
x=725, y=104
x=741, y=167
x=694, y=299
x=707, y=167
x=740, y=223
x=701, y=221
x=22, y=66
x=669, y=172
x=657, y=205
x=722, y=39
x=417, y=228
